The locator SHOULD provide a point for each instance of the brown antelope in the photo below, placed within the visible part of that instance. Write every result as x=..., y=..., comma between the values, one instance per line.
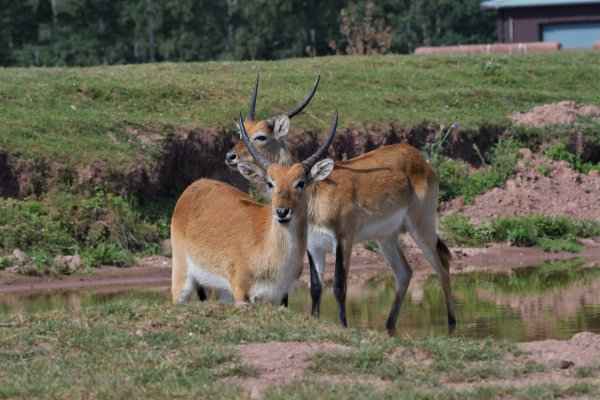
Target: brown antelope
x=223, y=240
x=267, y=134
x=375, y=196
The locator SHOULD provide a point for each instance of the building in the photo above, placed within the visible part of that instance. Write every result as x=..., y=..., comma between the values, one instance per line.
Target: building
x=573, y=23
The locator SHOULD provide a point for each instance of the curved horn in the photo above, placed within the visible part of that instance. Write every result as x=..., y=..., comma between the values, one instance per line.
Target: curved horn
x=310, y=161
x=252, y=111
x=259, y=158
x=306, y=100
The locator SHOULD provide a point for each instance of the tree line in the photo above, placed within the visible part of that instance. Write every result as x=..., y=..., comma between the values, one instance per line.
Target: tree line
x=91, y=32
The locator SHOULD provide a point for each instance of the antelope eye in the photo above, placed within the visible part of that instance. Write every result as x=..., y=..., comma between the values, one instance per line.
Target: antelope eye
x=260, y=138
x=300, y=185
x=269, y=184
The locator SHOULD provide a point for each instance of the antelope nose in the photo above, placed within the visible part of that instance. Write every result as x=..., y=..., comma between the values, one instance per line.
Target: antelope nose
x=283, y=213
x=230, y=156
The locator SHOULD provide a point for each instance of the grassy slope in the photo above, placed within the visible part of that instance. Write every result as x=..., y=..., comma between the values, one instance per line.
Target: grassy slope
x=80, y=114
x=133, y=348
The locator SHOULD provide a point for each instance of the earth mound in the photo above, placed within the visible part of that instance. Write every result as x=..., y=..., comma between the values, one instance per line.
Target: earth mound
x=561, y=113
x=540, y=186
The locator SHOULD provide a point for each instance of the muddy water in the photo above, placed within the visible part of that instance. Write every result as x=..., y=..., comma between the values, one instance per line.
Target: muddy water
x=526, y=305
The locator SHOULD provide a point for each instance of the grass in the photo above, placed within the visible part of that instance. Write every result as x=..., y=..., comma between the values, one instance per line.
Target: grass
x=82, y=114
x=133, y=347
x=550, y=233
x=560, y=152
x=103, y=228
x=457, y=180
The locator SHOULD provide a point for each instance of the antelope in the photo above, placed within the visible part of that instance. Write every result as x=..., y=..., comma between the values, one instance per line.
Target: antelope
x=248, y=252
x=375, y=196
x=267, y=134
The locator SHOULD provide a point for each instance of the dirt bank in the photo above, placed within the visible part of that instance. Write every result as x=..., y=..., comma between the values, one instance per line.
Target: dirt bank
x=539, y=186
x=182, y=155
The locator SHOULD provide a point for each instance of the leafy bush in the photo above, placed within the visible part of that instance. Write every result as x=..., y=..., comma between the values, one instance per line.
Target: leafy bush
x=560, y=152
x=550, y=233
x=456, y=181
x=104, y=228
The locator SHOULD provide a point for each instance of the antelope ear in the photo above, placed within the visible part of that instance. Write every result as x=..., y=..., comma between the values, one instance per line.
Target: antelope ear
x=321, y=170
x=251, y=171
x=281, y=126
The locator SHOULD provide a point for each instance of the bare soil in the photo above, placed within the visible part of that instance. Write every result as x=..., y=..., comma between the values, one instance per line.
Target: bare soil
x=152, y=271
x=540, y=186
x=279, y=363
x=561, y=113
x=582, y=350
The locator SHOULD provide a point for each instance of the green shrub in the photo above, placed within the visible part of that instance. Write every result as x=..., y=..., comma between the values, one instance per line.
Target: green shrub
x=456, y=181
x=4, y=263
x=104, y=228
x=560, y=152
x=107, y=254
x=452, y=176
x=550, y=233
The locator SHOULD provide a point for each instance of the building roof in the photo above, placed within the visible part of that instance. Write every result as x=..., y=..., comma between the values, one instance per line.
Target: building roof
x=498, y=4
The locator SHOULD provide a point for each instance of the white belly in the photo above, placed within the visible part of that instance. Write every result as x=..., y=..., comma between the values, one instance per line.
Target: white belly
x=378, y=228
x=205, y=278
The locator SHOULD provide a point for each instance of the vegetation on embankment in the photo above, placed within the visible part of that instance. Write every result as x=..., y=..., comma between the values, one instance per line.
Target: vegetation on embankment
x=144, y=347
x=104, y=229
x=550, y=233
x=144, y=132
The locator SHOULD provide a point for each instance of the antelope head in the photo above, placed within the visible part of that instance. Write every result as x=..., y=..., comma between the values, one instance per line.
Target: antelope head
x=286, y=184
x=267, y=135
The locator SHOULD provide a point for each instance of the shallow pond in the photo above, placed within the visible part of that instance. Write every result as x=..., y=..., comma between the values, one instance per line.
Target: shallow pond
x=555, y=300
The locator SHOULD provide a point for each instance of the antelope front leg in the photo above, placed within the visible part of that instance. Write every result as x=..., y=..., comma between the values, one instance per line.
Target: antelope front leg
x=342, y=265
x=315, y=286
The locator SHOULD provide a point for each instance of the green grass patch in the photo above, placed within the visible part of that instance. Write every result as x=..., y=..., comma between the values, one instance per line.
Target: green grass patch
x=372, y=360
x=103, y=228
x=457, y=180
x=83, y=114
x=550, y=233
x=143, y=346
x=560, y=152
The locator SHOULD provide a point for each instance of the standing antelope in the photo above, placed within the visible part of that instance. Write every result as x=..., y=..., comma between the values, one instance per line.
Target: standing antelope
x=251, y=252
x=375, y=196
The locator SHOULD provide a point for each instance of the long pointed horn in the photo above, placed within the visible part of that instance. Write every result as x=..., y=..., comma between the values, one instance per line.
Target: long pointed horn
x=310, y=161
x=259, y=158
x=306, y=100
x=252, y=111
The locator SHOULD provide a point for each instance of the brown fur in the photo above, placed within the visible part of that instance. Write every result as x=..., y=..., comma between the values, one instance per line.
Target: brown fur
x=372, y=187
x=221, y=229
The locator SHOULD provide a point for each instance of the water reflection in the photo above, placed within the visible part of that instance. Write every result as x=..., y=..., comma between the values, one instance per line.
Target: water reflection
x=552, y=301
x=526, y=305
